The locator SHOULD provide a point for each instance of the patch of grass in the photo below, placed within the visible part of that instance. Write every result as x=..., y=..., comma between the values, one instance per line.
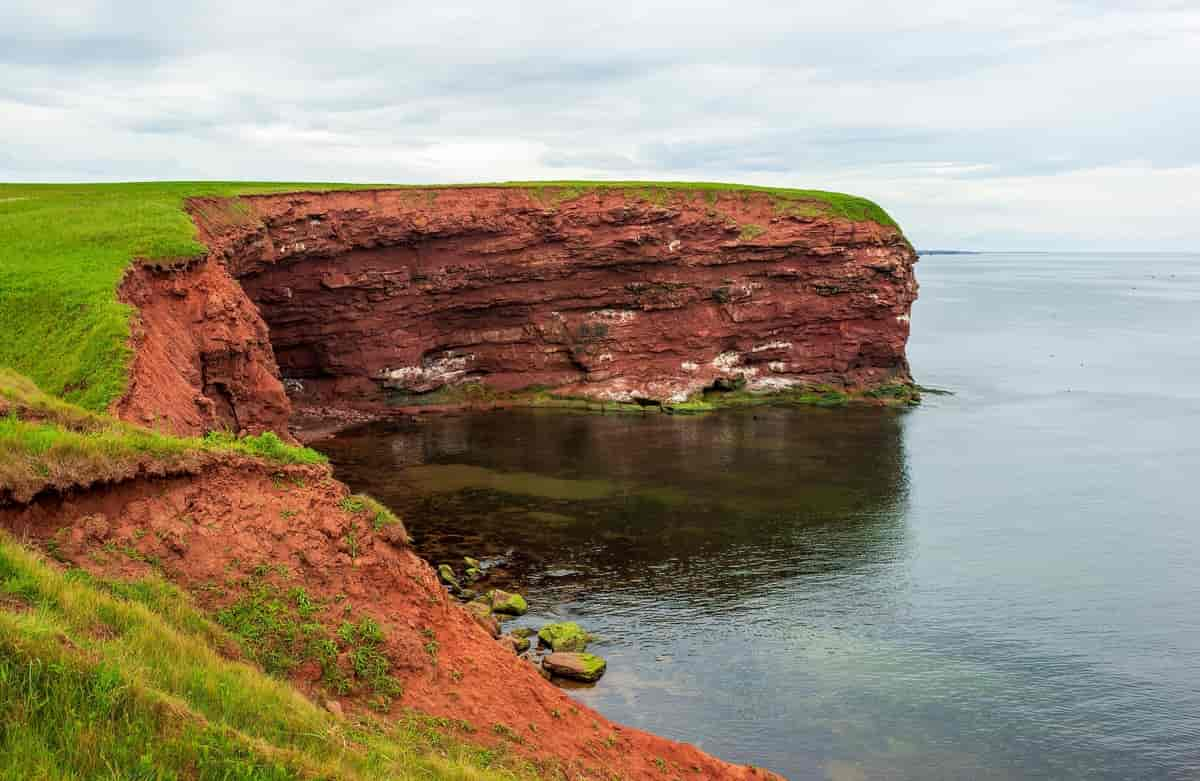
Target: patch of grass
x=379, y=516
x=281, y=630
x=266, y=445
x=154, y=698
x=65, y=247
x=45, y=441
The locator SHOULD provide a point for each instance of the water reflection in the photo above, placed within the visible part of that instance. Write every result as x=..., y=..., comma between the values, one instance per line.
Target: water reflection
x=724, y=505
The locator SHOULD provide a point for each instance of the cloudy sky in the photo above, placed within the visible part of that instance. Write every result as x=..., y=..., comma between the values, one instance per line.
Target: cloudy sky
x=999, y=125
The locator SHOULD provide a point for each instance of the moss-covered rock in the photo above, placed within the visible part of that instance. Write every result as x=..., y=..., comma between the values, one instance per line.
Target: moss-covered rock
x=473, y=574
x=523, y=631
x=564, y=636
x=576, y=666
x=507, y=604
x=446, y=575
x=471, y=563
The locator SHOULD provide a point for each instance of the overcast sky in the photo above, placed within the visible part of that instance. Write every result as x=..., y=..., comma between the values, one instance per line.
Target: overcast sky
x=1001, y=125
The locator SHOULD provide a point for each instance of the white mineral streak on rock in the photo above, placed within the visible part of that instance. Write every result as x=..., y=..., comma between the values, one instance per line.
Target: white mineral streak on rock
x=440, y=371
x=771, y=384
x=613, y=315
x=726, y=361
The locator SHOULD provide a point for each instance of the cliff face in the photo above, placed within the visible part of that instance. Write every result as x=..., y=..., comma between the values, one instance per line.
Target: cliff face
x=603, y=295
x=202, y=355
x=368, y=297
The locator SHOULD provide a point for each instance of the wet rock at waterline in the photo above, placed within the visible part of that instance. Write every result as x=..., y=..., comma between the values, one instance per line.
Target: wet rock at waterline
x=565, y=636
x=507, y=604
x=575, y=666
x=446, y=575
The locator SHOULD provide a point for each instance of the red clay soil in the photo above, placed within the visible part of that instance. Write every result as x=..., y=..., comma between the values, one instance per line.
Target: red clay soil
x=206, y=529
x=202, y=355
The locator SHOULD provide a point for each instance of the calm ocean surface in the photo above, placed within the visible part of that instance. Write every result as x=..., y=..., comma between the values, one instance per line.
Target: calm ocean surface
x=1000, y=584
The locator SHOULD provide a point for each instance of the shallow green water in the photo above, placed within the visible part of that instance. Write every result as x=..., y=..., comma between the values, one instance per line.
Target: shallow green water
x=1002, y=583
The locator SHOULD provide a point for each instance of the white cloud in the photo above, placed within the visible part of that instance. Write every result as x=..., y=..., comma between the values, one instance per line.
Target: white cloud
x=991, y=124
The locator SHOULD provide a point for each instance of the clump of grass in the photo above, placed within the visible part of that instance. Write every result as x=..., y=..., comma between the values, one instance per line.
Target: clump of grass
x=352, y=503
x=266, y=445
x=281, y=630
x=153, y=698
x=378, y=514
x=47, y=442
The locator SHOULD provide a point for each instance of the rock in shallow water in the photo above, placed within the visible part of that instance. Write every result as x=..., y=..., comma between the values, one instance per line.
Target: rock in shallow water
x=504, y=602
x=576, y=666
x=565, y=636
x=446, y=575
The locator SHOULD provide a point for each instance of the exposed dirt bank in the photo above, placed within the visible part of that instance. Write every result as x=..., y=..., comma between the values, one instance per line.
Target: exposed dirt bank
x=202, y=354
x=214, y=532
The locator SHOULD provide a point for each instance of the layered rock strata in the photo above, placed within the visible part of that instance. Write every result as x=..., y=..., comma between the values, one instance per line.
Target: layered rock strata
x=379, y=296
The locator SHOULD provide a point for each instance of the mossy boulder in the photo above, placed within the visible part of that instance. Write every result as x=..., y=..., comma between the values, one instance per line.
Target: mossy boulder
x=473, y=574
x=471, y=563
x=507, y=604
x=576, y=666
x=523, y=631
x=446, y=575
x=564, y=636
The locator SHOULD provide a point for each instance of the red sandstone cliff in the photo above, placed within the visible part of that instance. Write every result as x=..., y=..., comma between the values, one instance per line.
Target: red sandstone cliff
x=607, y=295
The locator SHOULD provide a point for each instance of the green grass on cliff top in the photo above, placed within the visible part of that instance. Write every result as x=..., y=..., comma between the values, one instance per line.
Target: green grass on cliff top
x=64, y=249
